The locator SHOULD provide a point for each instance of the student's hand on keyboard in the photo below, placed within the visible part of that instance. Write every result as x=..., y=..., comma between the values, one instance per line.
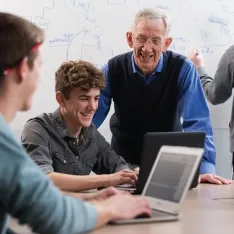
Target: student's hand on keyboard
x=122, y=177
x=137, y=170
x=126, y=206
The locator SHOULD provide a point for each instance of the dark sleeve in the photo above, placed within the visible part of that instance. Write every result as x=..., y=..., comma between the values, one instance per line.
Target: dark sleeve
x=108, y=160
x=35, y=140
x=219, y=89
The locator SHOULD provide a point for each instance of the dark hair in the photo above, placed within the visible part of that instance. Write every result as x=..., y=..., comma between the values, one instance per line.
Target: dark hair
x=78, y=74
x=18, y=37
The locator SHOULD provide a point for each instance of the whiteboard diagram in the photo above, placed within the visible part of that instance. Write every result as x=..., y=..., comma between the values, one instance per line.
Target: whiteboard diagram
x=95, y=31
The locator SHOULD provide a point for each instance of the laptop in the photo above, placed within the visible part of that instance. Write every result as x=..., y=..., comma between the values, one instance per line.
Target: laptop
x=168, y=183
x=153, y=141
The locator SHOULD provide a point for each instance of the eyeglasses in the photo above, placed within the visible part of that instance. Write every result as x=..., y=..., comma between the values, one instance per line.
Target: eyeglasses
x=6, y=71
x=142, y=40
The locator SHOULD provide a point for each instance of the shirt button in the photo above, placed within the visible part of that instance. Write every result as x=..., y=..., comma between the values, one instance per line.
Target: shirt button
x=64, y=161
x=77, y=157
x=73, y=142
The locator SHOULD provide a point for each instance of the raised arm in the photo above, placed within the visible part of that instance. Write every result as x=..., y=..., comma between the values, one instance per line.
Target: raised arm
x=219, y=89
x=104, y=101
x=195, y=112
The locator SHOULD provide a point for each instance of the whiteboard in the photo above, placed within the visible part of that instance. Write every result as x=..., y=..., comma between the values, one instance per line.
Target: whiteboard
x=95, y=31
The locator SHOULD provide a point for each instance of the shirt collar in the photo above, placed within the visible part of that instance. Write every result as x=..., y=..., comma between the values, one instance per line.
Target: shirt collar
x=61, y=128
x=158, y=68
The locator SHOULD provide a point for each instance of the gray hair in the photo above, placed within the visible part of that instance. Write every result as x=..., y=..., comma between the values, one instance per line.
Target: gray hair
x=152, y=15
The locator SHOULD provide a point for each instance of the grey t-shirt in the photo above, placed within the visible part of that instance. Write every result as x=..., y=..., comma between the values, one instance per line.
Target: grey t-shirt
x=219, y=89
x=47, y=141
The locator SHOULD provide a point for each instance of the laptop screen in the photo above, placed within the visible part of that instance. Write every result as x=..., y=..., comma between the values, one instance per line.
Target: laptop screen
x=170, y=176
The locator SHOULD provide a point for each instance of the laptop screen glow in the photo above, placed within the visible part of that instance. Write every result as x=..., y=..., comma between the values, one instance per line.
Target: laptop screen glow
x=170, y=176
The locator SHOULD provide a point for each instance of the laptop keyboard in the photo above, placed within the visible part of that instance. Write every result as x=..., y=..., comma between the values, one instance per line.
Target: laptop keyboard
x=155, y=213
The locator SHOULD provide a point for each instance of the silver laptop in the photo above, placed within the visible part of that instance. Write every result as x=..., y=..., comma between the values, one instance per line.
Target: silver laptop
x=168, y=183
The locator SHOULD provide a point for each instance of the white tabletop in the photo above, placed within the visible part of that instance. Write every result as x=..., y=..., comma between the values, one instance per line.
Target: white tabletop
x=207, y=209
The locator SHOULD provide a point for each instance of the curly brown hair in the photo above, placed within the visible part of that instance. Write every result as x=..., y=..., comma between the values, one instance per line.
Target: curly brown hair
x=78, y=74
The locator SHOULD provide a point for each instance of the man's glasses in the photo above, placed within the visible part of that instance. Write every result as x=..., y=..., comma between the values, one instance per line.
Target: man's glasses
x=143, y=40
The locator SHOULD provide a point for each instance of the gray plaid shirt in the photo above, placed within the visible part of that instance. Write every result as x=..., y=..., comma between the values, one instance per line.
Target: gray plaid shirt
x=47, y=141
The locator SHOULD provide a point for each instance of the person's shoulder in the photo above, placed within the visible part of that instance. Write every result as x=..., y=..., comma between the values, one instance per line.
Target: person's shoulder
x=5, y=131
x=122, y=56
x=229, y=54
x=230, y=49
x=174, y=55
x=9, y=142
x=93, y=132
x=39, y=122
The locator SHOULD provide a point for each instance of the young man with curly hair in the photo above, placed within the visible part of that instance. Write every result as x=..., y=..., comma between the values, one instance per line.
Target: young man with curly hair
x=65, y=144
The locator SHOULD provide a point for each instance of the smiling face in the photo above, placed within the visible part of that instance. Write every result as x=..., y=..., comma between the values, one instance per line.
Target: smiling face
x=148, y=40
x=78, y=85
x=80, y=106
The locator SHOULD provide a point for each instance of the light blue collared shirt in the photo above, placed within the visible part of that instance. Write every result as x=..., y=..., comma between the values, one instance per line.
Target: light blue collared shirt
x=192, y=106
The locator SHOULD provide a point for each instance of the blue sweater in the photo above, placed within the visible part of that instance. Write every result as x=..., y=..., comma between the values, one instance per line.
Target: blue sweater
x=29, y=195
x=192, y=106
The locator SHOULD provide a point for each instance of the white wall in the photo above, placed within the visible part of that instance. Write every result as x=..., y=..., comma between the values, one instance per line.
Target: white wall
x=95, y=31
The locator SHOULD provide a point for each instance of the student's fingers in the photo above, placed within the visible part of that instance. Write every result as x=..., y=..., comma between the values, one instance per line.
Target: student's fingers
x=133, y=176
x=127, y=180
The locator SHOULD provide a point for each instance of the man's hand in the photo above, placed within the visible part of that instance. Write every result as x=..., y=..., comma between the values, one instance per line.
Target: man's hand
x=122, y=177
x=213, y=179
x=197, y=58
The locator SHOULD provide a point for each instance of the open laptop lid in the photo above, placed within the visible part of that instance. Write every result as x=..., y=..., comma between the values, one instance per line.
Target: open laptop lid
x=171, y=176
x=153, y=141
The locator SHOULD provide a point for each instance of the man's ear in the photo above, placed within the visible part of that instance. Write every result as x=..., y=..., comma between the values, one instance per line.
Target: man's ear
x=60, y=99
x=22, y=70
x=129, y=39
x=167, y=43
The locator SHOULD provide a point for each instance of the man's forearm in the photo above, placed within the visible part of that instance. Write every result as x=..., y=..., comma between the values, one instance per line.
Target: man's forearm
x=78, y=183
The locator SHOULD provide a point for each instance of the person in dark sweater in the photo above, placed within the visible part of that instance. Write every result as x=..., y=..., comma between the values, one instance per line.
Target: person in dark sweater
x=152, y=88
x=219, y=89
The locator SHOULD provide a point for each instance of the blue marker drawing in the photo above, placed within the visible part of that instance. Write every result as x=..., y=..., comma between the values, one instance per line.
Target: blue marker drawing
x=116, y=2
x=40, y=21
x=97, y=56
x=83, y=32
x=179, y=44
x=79, y=6
x=207, y=51
x=217, y=20
x=172, y=8
x=90, y=19
x=63, y=40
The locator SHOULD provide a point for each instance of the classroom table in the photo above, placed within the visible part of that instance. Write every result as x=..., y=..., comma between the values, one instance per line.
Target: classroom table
x=207, y=209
